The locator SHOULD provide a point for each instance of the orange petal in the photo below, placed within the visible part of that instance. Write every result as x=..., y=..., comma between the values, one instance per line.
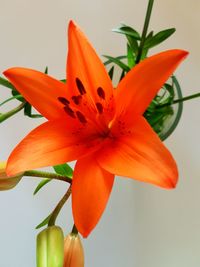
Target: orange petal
x=140, y=85
x=52, y=143
x=87, y=76
x=91, y=189
x=39, y=89
x=139, y=155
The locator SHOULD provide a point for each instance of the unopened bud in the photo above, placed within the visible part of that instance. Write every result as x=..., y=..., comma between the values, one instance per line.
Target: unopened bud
x=50, y=247
x=8, y=182
x=73, y=251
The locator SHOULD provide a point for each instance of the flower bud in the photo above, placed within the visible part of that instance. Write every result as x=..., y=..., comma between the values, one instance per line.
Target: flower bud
x=8, y=182
x=50, y=247
x=73, y=251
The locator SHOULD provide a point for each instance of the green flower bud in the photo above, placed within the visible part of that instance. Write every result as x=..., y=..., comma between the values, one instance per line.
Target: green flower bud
x=8, y=182
x=73, y=251
x=50, y=247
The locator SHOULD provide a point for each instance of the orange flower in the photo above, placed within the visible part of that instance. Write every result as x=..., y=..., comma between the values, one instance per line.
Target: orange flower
x=102, y=128
x=7, y=183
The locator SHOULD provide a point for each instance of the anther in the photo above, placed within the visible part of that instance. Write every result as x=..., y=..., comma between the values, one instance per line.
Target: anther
x=99, y=107
x=63, y=100
x=80, y=86
x=69, y=111
x=76, y=99
x=81, y=117
x=101, y=92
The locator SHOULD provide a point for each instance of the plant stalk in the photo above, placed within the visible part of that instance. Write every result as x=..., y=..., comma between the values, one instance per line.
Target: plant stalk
x=50, y=175
x=5, y=116
x=145, y=29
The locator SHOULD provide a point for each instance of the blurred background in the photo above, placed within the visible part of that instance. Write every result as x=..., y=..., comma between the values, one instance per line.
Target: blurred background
x=142, y=225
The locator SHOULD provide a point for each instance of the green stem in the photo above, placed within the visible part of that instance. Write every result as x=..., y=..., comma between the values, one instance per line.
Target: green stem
x=50, y=175
x=58, y=208
x=5, y=116
x=145, y=29
x=180, y=100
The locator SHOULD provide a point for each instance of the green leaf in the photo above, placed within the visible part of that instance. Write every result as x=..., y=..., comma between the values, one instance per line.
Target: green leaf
x=11, y=98
x=130, y=57
x=133, y=44
x=127, y=30
x=111, y=72
x=41, y=184
x=158, y=38
x=44, y=222
x=122, y=75
x=118, y=62
x=46, y=70
x=64, y=169
x=110, y=61
x=6, y=83
x=28, y=111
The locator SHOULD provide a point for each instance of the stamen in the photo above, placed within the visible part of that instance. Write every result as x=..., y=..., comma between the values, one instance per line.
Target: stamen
x=99, y=107
x=76, y=99
x=63, y=100
x=80, y=86
x=69, y=111
x=81, y=117
x=101, y=92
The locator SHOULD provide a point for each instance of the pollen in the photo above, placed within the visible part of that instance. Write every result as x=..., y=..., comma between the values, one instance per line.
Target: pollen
x=80, y=86
x=101, y=92
x=63, y=100
x=69, y=111
x=81, y=117
x=77, y=99
x=99, y=107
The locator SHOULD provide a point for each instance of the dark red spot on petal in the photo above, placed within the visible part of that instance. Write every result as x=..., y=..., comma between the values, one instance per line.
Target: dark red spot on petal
x=69, y=111
x=99, y=107
x=80, y=86
x=76, y=99
x=101, y=92
x=81, y=117
x=63, y=100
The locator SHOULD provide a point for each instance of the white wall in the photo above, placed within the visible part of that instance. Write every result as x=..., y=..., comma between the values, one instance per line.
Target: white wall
x=143, y=225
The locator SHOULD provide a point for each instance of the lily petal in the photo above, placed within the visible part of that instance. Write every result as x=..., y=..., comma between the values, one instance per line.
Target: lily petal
x=52, y=143
x=91, y=189
x=140, y=155
x=87, y=76
x=40, y=90
x=135, y=92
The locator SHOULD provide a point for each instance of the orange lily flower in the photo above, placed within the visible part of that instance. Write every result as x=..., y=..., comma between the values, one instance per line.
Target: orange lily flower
x=102, y=128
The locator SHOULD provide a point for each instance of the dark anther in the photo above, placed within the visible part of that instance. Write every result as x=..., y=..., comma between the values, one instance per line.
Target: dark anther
x=81, y=117
x=99, y=107
x=63, y=100
x=80, y=86
x=69, y=111
x=76, y=99
x=101, y=92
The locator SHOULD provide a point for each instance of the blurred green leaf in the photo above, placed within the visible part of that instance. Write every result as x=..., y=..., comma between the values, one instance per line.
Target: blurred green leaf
x=122, y=75
x=158, y=38
x=64, y=169
x=46, y=70
x=6, y=83
x=11, y=98
x=118, y=62
x=28, y=111
x=44, y=222
x=110, y=61
x=127, y=30
x=111, y=72
x=133, y=44
x=41, y=184
x=130, y=57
